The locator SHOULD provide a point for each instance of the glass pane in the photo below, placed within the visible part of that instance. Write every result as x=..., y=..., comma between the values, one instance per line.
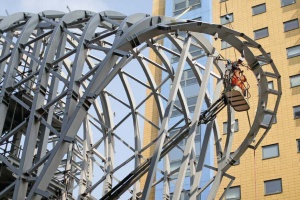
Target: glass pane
x=191, y=101
x=290, y=25
x=270, y=151
x=191, y=81
x=191, y=109
x=177, y=103
x=192, y=90
x=236, y=126
x=182, y=83
x=224, y=44
x=259, y=9
x=193, y=2
x=270, y=85
x=295, y=81
x=261, y=33
x=173, y=132
x=190, y=74
x=293, y=51
x=261, y=57
x=193, y=48
x=174, y=59
x=197, y=138
x=267, y=119
x=287, y=2
x=178, y=12
x=179, y=6
x=272, y=187
x=225, y=127
x=175, y=164
x=233, y=193
x=227, y=18
x=197, y=53
x=175, y=113
x=297, y=112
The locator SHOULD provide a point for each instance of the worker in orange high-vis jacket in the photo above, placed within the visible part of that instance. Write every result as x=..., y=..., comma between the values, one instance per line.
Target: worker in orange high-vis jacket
x=238, y=78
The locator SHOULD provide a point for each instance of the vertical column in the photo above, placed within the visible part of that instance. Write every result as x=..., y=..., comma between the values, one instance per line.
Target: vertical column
x=151, y=112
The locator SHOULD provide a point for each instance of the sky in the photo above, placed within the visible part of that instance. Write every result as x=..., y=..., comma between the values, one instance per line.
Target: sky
x=127, y=7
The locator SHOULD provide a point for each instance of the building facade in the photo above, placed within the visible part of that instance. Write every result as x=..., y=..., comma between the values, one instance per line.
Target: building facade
x=195, y=10
x=271, y=171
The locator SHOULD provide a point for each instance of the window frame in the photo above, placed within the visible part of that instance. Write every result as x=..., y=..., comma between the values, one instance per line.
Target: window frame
x=266, y=194
x=296, y=117
x=287, y=4
x=240, y=193
x=262, y=63
x=226, y=46
x=187, y=5
x=278, y=152
x=267, y=122
x=292, y=56
x=258, y=6
x=284, y=29
x=271, y=83
x=236, y=121
x=298, y=145
x=296, y=75
x=227, y=21
x=255, y=31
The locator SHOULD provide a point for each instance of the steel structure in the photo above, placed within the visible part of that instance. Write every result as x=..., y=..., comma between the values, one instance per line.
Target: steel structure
x=71, y=112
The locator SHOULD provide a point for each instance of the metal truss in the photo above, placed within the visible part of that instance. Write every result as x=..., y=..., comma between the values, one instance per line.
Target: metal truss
x=72, y=104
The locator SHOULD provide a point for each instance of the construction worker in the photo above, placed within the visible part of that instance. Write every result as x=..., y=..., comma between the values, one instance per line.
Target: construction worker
x=238, y=79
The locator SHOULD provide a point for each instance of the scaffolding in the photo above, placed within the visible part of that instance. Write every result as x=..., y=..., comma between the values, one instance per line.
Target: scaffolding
x=71, y=96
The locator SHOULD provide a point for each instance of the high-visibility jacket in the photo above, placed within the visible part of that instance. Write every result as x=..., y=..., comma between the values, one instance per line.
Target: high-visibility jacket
x=238, y=79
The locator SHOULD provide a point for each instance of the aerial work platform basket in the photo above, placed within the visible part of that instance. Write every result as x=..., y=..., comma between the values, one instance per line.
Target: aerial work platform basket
x=237, y=99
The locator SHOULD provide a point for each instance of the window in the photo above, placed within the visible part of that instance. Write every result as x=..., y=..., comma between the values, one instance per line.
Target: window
x=291, y=25
x=237, y=162
x=181, y=6
x=270, y=151
x=225, y=19
x=293, y=51
x=236, y=126
x=194, y=4
x=259, y=9
x=224, y=44
x=273, y=186
x=295, y=80
x=233, y=193
x=296, y=112
x=195, y=52
x=262, y=59
x=188, y=78
x=287, y=2
x=184, y=195
x=261, y=33
x=270, y=85
x=174, y=164
x=298, y=145
x=267, y=119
